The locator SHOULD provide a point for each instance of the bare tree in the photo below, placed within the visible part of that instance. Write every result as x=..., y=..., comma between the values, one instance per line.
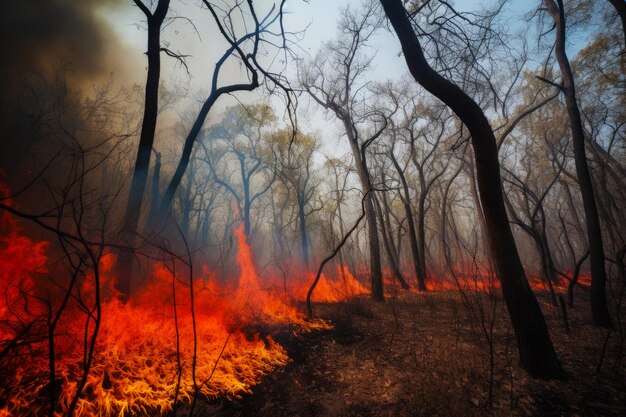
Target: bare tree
x=294, y=157
x=599, y=308
x=334, y=80
x=144, y=151
x=242, y=137
x=537, y=354
x=243, y=47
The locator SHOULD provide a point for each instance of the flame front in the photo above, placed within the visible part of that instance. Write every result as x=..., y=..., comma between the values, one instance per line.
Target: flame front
x=158, y=349
x=144, y=355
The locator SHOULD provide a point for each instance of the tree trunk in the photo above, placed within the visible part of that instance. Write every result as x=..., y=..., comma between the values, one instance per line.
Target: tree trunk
x=304, y=242
x=536, y=352
x=421, y=235
x=569, y=199
x=547, y=265
x=185, y=215
x=620, y=7
x=480, y=215
x=156, y=185
x=146, y=140
x=246, y=207
x=376, y=275
x=386, y=219
x=443, y=243
x=393, y=261
x=406, y=201
x=599, y=308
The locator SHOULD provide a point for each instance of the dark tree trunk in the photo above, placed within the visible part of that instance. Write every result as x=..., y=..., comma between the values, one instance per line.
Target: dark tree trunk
x=443, y=243
x=146, y=140
x=620, y=6
x=406, y=201
x=547, y=264
x=393, y=261
x=569, y=199
x=395, y=250
x=480, y=215
x=421, y=236
x=246, y=207
x=599, y=308
x=376, y=275
x=536, y=352
x=537, y=232
x=304, y=241
x=185, y=215
x=156, y=185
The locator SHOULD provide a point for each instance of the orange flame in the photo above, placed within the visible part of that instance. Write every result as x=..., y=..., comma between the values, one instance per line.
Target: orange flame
x=144, y=358
x=158, y=349
x=342, y=286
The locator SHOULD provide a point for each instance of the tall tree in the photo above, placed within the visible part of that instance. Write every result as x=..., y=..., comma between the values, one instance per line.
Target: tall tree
x=294, y=157
x=240, y=141
x=333, y=80
x=620, y=7
x=148, y=128
x=243, y=48
x=599, y=308
x=536, y=352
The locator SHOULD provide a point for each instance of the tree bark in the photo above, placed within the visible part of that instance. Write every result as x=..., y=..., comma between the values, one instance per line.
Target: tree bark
x=599, y=307
x=376, y=275
x=393, y=261
x=146, y=140
x=421, y=232
x=536, y=352
x=421, y=284
x=620, y=7
x=304, y=241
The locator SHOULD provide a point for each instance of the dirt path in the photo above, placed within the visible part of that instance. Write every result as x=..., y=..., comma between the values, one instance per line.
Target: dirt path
x=427, y=355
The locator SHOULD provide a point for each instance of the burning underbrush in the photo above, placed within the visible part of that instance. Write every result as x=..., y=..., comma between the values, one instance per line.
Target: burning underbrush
x=173, y=341
x=72, y=346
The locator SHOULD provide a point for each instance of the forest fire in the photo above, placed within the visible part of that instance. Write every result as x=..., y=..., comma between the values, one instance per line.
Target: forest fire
x=157, y=350
x=229, y=208
x=486, y=282
x=151, y=353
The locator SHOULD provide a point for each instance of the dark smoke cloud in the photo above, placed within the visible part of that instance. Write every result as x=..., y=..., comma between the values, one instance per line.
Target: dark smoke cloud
x=37, y=39
x=39, y=35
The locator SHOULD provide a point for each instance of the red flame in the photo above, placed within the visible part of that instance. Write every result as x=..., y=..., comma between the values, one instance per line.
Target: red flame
x=144, y=355
x=158, y=347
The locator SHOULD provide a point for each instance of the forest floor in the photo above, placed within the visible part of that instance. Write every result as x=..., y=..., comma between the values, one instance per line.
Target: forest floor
x=429, y=355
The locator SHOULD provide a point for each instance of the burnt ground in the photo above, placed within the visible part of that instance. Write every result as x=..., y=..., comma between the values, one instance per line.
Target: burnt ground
x=427, y=355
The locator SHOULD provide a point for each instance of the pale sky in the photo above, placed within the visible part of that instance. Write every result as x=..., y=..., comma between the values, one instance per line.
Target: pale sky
x=206, y=46
x=320, y=16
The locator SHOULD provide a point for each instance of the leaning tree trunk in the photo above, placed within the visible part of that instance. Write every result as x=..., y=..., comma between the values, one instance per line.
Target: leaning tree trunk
x=536, y=352
x=599, y=308
x=146, y=140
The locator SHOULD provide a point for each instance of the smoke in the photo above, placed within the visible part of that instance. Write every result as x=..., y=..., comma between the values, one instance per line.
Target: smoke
x=39, y=35
x=51, y=49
